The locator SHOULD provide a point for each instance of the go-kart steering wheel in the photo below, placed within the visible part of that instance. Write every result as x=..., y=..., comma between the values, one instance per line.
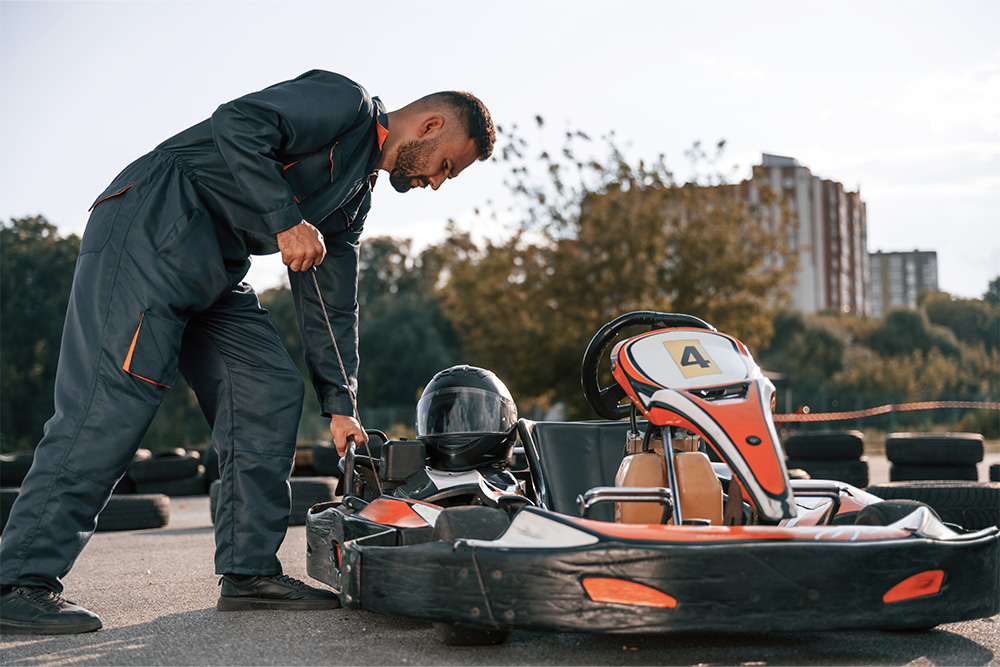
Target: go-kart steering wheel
x=605, y=401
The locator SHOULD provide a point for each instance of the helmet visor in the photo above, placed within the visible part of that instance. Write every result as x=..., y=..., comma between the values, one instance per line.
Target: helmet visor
x=464, y=410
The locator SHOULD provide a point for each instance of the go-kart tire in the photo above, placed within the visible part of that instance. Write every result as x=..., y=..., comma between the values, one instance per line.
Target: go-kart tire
x=972, y=505
x=853, y=472
x=465, y=635
x=473, y=522
x=326, y=460
x=176, y=488
x=995, y=472
x=123, y=511
x=905, y=473
x=887, y=512
x=170, y=464
x=210, y=459
x=825, y=445
x=306, y=492
x=134, y=512
x=934, y=448
x=14, y=466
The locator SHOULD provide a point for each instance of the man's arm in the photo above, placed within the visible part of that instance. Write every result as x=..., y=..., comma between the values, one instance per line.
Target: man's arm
x=255, y=132
x=337, y=277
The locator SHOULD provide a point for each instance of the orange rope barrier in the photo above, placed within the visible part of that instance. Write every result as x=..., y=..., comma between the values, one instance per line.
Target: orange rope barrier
x=883, y=409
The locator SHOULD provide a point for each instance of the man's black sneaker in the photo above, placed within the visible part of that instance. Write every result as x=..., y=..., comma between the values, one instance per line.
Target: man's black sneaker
x=36, y=610
x=275, y=592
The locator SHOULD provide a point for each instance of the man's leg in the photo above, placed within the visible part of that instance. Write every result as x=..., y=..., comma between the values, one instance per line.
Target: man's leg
x=251, y=393
x=124, y=325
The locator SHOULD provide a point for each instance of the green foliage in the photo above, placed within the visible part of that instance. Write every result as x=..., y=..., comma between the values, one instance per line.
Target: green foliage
x=36, y=272
x=972, y=321
x=404, y=338
x=905, y=331
x=903, y=358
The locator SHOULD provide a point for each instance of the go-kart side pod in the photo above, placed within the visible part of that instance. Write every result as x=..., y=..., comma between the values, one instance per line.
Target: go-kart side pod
x=707, y=383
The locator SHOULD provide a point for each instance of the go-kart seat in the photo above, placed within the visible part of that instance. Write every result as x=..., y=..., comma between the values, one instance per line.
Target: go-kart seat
x=568, y=458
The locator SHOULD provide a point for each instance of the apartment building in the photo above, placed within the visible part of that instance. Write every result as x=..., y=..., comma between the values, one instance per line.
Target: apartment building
x=831, y=239
x=897, y=278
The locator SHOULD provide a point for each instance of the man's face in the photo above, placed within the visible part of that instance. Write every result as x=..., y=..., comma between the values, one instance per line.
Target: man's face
x=431, y=161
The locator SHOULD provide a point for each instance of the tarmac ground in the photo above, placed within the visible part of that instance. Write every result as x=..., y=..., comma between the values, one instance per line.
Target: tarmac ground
x=155, y=591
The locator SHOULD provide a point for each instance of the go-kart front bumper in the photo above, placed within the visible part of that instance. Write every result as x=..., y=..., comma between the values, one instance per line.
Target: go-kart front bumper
x=553, y=572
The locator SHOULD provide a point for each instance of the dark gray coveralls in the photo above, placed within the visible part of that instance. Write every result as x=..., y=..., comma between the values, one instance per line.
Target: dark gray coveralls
x=158, y=287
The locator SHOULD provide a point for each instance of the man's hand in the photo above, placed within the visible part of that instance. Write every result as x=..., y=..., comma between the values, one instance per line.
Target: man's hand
x=301, y=247
x=343, y=427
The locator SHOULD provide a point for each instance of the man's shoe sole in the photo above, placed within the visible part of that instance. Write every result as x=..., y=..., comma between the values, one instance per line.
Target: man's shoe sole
x=15, y=628
x=233, y=603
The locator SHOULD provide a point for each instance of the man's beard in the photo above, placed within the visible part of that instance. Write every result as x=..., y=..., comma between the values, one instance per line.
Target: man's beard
x=411, y=160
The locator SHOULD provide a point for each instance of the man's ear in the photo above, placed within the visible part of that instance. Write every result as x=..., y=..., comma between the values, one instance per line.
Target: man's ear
x=430, y=125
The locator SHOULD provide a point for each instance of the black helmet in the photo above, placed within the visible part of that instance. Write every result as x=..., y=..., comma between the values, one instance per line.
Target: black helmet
x=466, y=418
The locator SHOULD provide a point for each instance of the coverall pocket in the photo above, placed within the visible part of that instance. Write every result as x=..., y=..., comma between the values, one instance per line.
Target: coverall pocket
x=153, y=352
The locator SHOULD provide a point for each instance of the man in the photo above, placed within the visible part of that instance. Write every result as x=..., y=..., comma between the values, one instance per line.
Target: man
x=158, y=287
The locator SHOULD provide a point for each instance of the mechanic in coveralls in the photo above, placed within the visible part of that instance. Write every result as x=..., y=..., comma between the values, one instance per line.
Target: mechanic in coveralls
x=158, y=287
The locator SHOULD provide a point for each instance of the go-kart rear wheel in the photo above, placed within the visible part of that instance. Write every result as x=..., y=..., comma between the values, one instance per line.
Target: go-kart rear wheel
x=450, y=634
x=888, y=511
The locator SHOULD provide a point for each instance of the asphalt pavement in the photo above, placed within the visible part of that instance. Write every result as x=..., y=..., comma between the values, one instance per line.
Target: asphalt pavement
x=155, y=591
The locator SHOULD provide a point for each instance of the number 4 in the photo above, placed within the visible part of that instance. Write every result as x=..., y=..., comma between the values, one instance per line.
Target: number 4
x=692, y=357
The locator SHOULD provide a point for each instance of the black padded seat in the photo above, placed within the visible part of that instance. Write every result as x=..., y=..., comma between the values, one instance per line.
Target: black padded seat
x=569, y=458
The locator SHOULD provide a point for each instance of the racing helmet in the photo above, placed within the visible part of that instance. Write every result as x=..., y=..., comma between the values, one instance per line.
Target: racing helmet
x=466, y=418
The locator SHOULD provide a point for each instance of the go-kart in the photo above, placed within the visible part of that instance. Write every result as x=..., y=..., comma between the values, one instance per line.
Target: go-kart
x=628, y=525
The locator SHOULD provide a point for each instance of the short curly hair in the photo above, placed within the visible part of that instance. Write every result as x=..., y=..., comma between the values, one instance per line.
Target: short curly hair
x=471, y=111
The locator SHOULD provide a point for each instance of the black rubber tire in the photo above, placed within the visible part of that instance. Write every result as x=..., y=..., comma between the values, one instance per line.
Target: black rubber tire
x=903, y=473
x=176, y=488
x=995, y=472
x=169, y=464
x=465, y=635
x=887, y=511
x=134, y=512
x=213, y=498
x=125, y=485
x=303, y=465
x=934, y=448
x=7, y=497
x=826, y=445
x=306, y=492
x=326, y=460
x=14, y=466
x=972, y=505
x=853, y=472
x=210, y=459
x=472, y=522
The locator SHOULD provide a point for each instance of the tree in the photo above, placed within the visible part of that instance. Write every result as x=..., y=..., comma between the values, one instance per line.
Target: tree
x=905, y=330
x=973, y=321
x=36, y=272
x=599, y=238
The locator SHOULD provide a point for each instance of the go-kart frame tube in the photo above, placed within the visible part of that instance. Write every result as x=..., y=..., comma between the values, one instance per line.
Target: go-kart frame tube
x=749, y=585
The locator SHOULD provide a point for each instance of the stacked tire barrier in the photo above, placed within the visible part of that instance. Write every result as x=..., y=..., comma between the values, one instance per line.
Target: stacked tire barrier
x=132, y=511
x=940, y=469
x=172, y=472
x=836, y=455
x=934, y=456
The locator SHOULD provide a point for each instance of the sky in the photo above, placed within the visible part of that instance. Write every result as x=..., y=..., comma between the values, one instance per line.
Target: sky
x=897, y=99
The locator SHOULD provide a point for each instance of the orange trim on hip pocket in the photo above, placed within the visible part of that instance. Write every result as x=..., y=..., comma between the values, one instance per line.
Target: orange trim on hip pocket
x=131, y=350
